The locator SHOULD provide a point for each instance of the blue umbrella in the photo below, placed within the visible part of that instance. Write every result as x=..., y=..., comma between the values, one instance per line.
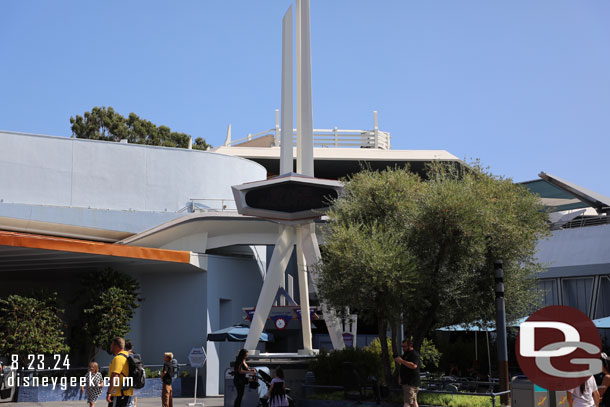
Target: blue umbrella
x=235, y=333
x=478, y=326
x=602, y=322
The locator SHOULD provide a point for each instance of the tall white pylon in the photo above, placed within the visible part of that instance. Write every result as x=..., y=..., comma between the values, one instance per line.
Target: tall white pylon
x=302, y=235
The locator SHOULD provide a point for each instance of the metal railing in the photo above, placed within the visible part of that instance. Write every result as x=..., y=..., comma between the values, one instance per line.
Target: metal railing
x=583, y=222
x=210, y=205
x=325, y=138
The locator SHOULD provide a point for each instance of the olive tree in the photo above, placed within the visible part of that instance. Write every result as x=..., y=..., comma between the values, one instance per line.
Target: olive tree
x=399, y=247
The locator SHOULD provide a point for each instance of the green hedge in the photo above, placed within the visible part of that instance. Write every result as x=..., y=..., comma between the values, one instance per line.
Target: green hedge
x=455, y=400
x=328, y=366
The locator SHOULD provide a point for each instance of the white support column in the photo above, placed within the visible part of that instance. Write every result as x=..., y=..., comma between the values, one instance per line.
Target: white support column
x=306, y=148
x=298, y=86
x=311, y=251
x=286, y=160
x=304, y=292
x=275, y=274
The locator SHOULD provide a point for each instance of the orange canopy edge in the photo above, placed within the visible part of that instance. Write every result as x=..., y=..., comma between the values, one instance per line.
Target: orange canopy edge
x=33, y=241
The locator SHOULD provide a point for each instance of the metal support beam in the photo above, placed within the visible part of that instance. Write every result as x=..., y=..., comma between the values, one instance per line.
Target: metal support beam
x=305, y=152
x=312, y=257
x=286, y=161
x=275, y=275
x=304, y=292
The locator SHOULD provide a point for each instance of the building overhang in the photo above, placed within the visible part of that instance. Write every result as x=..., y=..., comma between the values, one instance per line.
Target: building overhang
x=335, y=163
x=29, y=252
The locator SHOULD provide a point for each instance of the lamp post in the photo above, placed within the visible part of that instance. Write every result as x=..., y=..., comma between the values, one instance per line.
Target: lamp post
x=501, y=332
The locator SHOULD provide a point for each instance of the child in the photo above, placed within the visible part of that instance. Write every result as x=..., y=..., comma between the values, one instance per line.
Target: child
x=277, y=391
x=94, y=384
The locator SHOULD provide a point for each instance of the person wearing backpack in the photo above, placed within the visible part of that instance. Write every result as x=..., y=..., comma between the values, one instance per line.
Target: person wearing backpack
x=118, y=395
x=129, y=348
x=166, y=377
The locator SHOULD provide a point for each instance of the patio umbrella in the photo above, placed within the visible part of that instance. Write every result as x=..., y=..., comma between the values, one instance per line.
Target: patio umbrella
x=236, y=333
x=602, y=322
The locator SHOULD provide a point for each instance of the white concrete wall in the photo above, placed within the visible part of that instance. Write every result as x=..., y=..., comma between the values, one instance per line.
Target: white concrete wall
x=172, y=316
x=576, y=247
x=239, y=281
x=45, y=170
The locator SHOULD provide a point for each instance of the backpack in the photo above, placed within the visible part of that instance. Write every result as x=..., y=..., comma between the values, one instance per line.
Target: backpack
x=176, y=368
x=136, y=370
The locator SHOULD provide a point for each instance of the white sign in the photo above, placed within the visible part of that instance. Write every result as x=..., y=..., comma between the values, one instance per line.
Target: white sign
x=197, y=357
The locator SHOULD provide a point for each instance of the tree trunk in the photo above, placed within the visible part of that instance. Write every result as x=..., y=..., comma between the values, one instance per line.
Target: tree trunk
x=395, y=338
x=385, y=356
x=396, y=349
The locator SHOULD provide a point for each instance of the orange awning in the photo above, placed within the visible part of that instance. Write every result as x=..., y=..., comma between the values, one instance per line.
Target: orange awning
x=32, y=241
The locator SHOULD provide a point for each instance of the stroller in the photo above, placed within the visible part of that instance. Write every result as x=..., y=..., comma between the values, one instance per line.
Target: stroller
x=265, y=378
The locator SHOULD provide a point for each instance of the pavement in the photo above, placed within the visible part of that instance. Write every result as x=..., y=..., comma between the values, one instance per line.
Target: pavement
x=142, y=402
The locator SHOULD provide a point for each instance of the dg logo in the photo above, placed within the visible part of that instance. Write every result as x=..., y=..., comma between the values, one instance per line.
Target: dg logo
x=558, y=348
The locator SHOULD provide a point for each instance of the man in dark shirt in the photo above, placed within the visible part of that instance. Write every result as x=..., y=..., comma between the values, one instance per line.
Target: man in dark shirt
x=409, y=373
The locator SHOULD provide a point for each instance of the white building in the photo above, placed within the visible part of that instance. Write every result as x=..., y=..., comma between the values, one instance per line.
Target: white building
x=162, y=215
x=577, y=254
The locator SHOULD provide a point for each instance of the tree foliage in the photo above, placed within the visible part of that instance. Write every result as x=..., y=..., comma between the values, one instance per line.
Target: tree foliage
x=399, y=247
x=30, y=325
x=110, y=300
x=105, y=124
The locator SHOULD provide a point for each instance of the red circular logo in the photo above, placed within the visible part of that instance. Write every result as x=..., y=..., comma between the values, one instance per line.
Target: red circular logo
x=558, y=348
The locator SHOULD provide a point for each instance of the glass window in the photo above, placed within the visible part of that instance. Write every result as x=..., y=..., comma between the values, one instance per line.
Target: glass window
x=549, y=289
x=577, y=293
x=603, y=298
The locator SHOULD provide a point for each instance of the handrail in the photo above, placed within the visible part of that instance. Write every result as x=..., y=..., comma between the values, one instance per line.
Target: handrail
x=211, y=205
x=583, y=222
x=329, y=138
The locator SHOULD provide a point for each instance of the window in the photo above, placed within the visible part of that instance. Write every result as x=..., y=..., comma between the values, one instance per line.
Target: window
x=549, y=289
x=603, y=298
x=577, y=293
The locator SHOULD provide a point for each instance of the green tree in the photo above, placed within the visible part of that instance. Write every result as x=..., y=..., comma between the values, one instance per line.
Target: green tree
x=103, y=123
x=399, y=247
x=110, y=299
x=30, y=325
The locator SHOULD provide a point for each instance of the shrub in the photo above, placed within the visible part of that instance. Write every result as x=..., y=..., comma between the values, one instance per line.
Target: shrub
x=455, y=400
x=30, y=325
x=375, y=347
x=152, y=374
x=430, y=356
x=328, y=366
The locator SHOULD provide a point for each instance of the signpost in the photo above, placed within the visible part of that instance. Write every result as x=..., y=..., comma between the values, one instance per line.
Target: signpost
x=197, y=359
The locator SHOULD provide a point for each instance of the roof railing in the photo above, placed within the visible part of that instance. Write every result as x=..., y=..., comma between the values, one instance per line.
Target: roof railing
x=325, y=138
x=583, y=221
x=209, y=205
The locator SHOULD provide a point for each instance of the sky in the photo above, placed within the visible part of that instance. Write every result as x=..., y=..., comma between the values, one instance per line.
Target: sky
x=522, y=85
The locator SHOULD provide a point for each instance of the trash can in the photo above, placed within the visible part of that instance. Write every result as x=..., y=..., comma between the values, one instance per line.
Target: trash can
x=524, y=393
x=251, y=396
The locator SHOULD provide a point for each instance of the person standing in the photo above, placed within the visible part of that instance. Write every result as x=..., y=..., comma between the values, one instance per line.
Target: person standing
x=604, y=393
x=585, y=395
x=239, y=378
x=409, y=373
x=277, y=391
x=118, y=395
x=134, y=399
x=167, y=375
x=93, y=384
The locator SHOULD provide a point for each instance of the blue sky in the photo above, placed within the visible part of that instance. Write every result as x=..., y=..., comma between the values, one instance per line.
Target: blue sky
x=522, y=85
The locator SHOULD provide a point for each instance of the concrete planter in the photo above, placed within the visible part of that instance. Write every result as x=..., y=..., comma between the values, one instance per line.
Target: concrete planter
x=187, y=387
